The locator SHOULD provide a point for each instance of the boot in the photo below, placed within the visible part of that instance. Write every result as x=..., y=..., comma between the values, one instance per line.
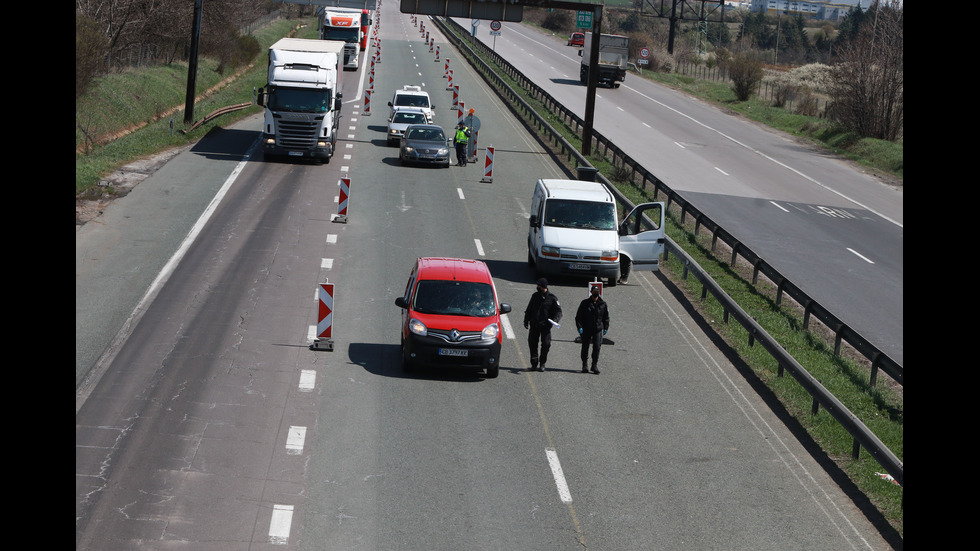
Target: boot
x=541, y=367
x=595, y=368
x=584, y=368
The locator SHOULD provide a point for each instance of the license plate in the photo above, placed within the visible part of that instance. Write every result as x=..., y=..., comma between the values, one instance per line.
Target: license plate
x=453, y=352
x=579, y=267
x=296, y=153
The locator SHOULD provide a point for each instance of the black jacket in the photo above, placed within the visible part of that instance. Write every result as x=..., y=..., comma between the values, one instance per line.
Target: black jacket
x=540, y=308
x=592, y=317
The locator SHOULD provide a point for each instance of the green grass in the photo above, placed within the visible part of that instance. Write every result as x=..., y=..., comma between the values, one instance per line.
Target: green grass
x=881, y=408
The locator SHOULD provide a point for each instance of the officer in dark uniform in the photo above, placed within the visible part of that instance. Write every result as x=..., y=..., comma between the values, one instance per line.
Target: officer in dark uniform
x=592, y=320
x=542, y=307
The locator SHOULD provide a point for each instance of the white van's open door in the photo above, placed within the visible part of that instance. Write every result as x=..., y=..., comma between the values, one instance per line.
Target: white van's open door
x=642, y=237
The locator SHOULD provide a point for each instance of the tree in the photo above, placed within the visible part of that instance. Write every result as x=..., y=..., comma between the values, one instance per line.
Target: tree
x=868, y=80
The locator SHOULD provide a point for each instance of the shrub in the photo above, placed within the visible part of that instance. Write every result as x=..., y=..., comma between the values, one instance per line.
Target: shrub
x=746, y=74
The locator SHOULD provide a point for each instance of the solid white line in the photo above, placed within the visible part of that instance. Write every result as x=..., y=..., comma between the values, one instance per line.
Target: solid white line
x=778, y=206
x=722, y=171
x=563, y=493
x=103, y=363
x=861, y=256
x=282, y=518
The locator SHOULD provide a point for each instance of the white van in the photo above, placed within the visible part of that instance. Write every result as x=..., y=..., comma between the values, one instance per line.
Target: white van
x=574, y=231
x=412, y=96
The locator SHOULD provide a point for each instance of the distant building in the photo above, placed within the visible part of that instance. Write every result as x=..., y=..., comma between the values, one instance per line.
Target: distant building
x=832, y=10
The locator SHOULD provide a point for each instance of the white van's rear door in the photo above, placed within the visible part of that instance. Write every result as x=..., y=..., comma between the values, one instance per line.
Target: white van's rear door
x=642, y=237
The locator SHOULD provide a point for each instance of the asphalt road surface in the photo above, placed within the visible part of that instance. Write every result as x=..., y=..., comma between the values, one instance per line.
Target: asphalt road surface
x=206, y=421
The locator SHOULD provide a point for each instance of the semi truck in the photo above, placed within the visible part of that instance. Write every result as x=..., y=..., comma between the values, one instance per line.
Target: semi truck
x=348, y=25
x=614, y=52
x=302, y=99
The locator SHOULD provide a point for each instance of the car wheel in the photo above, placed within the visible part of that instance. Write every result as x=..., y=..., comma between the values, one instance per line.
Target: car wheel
x=612, y=282
x=493, y=371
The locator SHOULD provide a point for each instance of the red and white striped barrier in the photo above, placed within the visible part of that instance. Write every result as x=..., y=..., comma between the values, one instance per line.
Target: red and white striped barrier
x=455, y=97
x=445, y=72
x=367, y=101
x=324, y=324
x=437, y=54
x=488, y=167
x=449, y=85
x=343, y=200
x=459, y=118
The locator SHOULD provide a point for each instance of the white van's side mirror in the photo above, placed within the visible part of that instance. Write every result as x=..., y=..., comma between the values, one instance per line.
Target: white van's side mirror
x=534, y=220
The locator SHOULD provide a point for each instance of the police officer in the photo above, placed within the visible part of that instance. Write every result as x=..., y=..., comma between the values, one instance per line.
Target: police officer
x=542, y=307
x=592, y=320
x=461, y=140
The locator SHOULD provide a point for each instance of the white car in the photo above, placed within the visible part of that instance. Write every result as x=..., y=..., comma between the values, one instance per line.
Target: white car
x=400, y=119
x=412, y=96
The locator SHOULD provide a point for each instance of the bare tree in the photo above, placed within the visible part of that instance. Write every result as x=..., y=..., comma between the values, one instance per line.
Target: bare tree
x=868, y=80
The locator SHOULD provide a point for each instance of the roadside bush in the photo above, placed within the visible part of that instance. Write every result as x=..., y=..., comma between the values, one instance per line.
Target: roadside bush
x=746, y=74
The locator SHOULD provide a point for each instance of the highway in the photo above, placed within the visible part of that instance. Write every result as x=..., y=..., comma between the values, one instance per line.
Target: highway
x=831, y=228
x=205, y=421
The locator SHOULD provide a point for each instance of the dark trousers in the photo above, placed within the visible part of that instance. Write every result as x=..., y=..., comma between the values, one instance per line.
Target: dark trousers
x=595, y=340
x=535, y=334
x=460, y=152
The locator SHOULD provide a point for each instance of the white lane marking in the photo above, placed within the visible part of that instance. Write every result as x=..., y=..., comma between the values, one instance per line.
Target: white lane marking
x=508, y=330
x=479, y=247
x=861, y=256
x=778, y=206
x=282, y=518
x=459, y=191
x=307, y=380
x=331, y=238
x=326, y=263
x=722, y=171
x=563, y=493
x=295, y=439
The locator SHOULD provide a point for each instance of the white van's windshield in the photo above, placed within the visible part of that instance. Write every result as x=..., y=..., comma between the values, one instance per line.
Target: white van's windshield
x=564, y=213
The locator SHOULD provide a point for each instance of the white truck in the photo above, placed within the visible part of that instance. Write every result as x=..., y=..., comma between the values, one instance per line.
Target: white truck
x=614, y=53
x=344, y=24
x=302, y=99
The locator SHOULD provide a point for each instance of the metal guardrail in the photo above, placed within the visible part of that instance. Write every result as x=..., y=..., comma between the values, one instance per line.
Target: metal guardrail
x=217, y=113
x=862, y=436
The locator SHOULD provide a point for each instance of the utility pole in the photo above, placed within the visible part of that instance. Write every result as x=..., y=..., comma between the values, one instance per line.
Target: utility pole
x=192, y=63
x=593, y=80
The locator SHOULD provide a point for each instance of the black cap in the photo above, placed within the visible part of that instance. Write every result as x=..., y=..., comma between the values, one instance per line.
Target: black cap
x=543, y=283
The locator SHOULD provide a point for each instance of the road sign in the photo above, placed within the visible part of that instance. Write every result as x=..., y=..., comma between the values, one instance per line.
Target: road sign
x=583, y=20
x=644, y=52
x=495, y=25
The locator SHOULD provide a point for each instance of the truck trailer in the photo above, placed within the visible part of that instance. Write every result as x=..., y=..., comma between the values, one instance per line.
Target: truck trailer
x=302, y=99
x=348, y=25
x=614, y=53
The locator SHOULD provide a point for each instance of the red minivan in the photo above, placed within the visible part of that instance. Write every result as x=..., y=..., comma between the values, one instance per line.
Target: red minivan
x=451, y=316
x=576, y=39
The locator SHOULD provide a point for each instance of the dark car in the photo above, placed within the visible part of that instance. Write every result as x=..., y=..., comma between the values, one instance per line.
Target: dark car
x=424, y=144
x=450, y=315
x=576, y=39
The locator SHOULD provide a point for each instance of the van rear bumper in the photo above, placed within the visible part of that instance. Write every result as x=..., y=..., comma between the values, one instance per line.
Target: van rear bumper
x=550, y=266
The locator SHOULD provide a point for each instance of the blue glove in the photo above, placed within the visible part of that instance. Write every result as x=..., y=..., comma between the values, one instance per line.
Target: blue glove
x=604, y=331
x=579, y=330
